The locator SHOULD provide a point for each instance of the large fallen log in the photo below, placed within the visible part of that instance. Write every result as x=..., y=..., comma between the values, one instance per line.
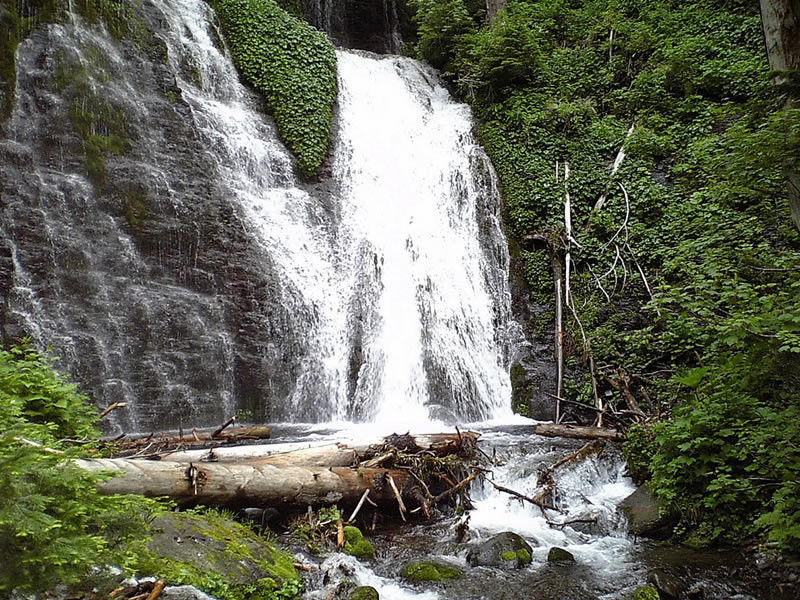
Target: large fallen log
x=578, y=432
x=245, y=485
x=327, y=454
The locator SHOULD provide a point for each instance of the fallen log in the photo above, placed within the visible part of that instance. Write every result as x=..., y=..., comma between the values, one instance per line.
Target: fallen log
x=578, y=432
x=245, y=485
x=343, y=453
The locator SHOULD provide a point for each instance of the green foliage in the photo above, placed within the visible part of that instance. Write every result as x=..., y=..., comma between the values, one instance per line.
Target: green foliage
x=54, y=526
x=645, y=592
x=710, y=340
x=293, y=65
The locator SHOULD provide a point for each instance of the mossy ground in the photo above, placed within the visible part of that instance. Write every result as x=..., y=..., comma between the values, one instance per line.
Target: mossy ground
x=429, y=571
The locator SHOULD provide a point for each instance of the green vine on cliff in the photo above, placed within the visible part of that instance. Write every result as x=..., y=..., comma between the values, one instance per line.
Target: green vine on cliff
x=293, y=65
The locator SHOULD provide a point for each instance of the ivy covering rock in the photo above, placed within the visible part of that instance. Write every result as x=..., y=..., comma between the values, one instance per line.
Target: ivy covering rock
x=293, y=65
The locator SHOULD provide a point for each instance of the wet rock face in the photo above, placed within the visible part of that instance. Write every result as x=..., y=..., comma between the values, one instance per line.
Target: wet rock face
x=122, y=249
x=361, y=24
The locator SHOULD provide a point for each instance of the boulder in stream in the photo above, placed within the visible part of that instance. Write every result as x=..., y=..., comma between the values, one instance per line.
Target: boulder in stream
x=669, y=586
x=505, y=550
x=645, y=515
x=559, y=555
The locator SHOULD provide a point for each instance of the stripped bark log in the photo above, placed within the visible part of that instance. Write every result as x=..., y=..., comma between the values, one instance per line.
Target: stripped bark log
x=244, y=485
x=578, y=432
x=330, y=454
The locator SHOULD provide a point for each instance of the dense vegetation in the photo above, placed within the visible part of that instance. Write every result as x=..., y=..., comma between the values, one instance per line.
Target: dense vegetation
x=687, y=282
x=292, y=65
x=54, y=526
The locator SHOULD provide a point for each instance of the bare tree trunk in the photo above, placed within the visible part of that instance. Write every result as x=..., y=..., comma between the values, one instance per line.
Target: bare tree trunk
x=781, y=22
x=493, y=7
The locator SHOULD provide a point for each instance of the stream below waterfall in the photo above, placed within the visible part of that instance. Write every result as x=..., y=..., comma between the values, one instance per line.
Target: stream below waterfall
x=609, y=563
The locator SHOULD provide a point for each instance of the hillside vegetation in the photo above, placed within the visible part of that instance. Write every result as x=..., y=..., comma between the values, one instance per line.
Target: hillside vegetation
x=686, y=283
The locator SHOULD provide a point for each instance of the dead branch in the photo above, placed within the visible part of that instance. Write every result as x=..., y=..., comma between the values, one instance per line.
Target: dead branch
x=534, y=501
x=111, y=407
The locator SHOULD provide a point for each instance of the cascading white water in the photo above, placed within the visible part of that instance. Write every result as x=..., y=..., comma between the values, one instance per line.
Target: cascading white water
x=402, y=277
x=420, y=243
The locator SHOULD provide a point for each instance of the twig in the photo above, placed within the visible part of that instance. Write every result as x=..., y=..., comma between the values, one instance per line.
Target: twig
x=400, y=503
x=28, y=442
x=222, y=427
x=457, y=487
x=359, y=505
x=565, y=523
x=157, y=589
x=111, y=407
x=600, y=285
x=340, y=533
x=511, y=492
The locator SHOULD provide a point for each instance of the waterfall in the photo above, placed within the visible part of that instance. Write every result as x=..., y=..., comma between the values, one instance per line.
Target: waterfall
x=200, y=275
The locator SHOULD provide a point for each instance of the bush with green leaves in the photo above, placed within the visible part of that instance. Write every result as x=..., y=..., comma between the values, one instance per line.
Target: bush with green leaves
x=293, y=65
x=54, y=526
x=698, y=315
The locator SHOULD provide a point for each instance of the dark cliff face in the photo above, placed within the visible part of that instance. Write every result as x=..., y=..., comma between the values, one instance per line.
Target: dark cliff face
x=372, y=25
x=120, y=244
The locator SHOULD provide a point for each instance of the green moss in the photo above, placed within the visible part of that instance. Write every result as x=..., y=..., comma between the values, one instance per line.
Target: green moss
x=521, y=391
x=218, y=556
x=524, y=556
x=645, y=592
x=356, y=544
x=364, y=593
x=293, y=65
x=429, y=571
x=509, y=555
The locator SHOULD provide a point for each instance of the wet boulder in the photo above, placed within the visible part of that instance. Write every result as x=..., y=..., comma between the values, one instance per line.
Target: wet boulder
x=559, y=555
x=669, y=586
x=505, y=550
x=364, y=592
x=646, y=516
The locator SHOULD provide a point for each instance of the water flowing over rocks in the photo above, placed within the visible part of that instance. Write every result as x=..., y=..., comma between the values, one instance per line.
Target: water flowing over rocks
x=155, y=235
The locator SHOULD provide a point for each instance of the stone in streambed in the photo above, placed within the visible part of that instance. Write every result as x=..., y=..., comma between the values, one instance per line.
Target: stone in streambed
x=506, y=550
x=645, y=515
x=430, y=571
x=559, y=555
x=669, y=587
x=356, y=544
x=364, y=592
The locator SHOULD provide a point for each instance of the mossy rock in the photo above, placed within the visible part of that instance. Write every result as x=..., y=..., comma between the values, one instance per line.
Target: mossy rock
x=645, y=592
x=505, y=550
x=217, y=555
x=364, y=592
x=356, y=544
x=430, y=571
x=559, y=555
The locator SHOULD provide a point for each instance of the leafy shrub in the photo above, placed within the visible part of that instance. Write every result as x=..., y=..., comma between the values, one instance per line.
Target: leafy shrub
x=293, y=65
x=54, y=526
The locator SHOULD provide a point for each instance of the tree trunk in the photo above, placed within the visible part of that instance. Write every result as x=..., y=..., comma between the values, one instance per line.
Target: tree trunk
x=493, y=7
x=245, y=485
x=780, y=20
